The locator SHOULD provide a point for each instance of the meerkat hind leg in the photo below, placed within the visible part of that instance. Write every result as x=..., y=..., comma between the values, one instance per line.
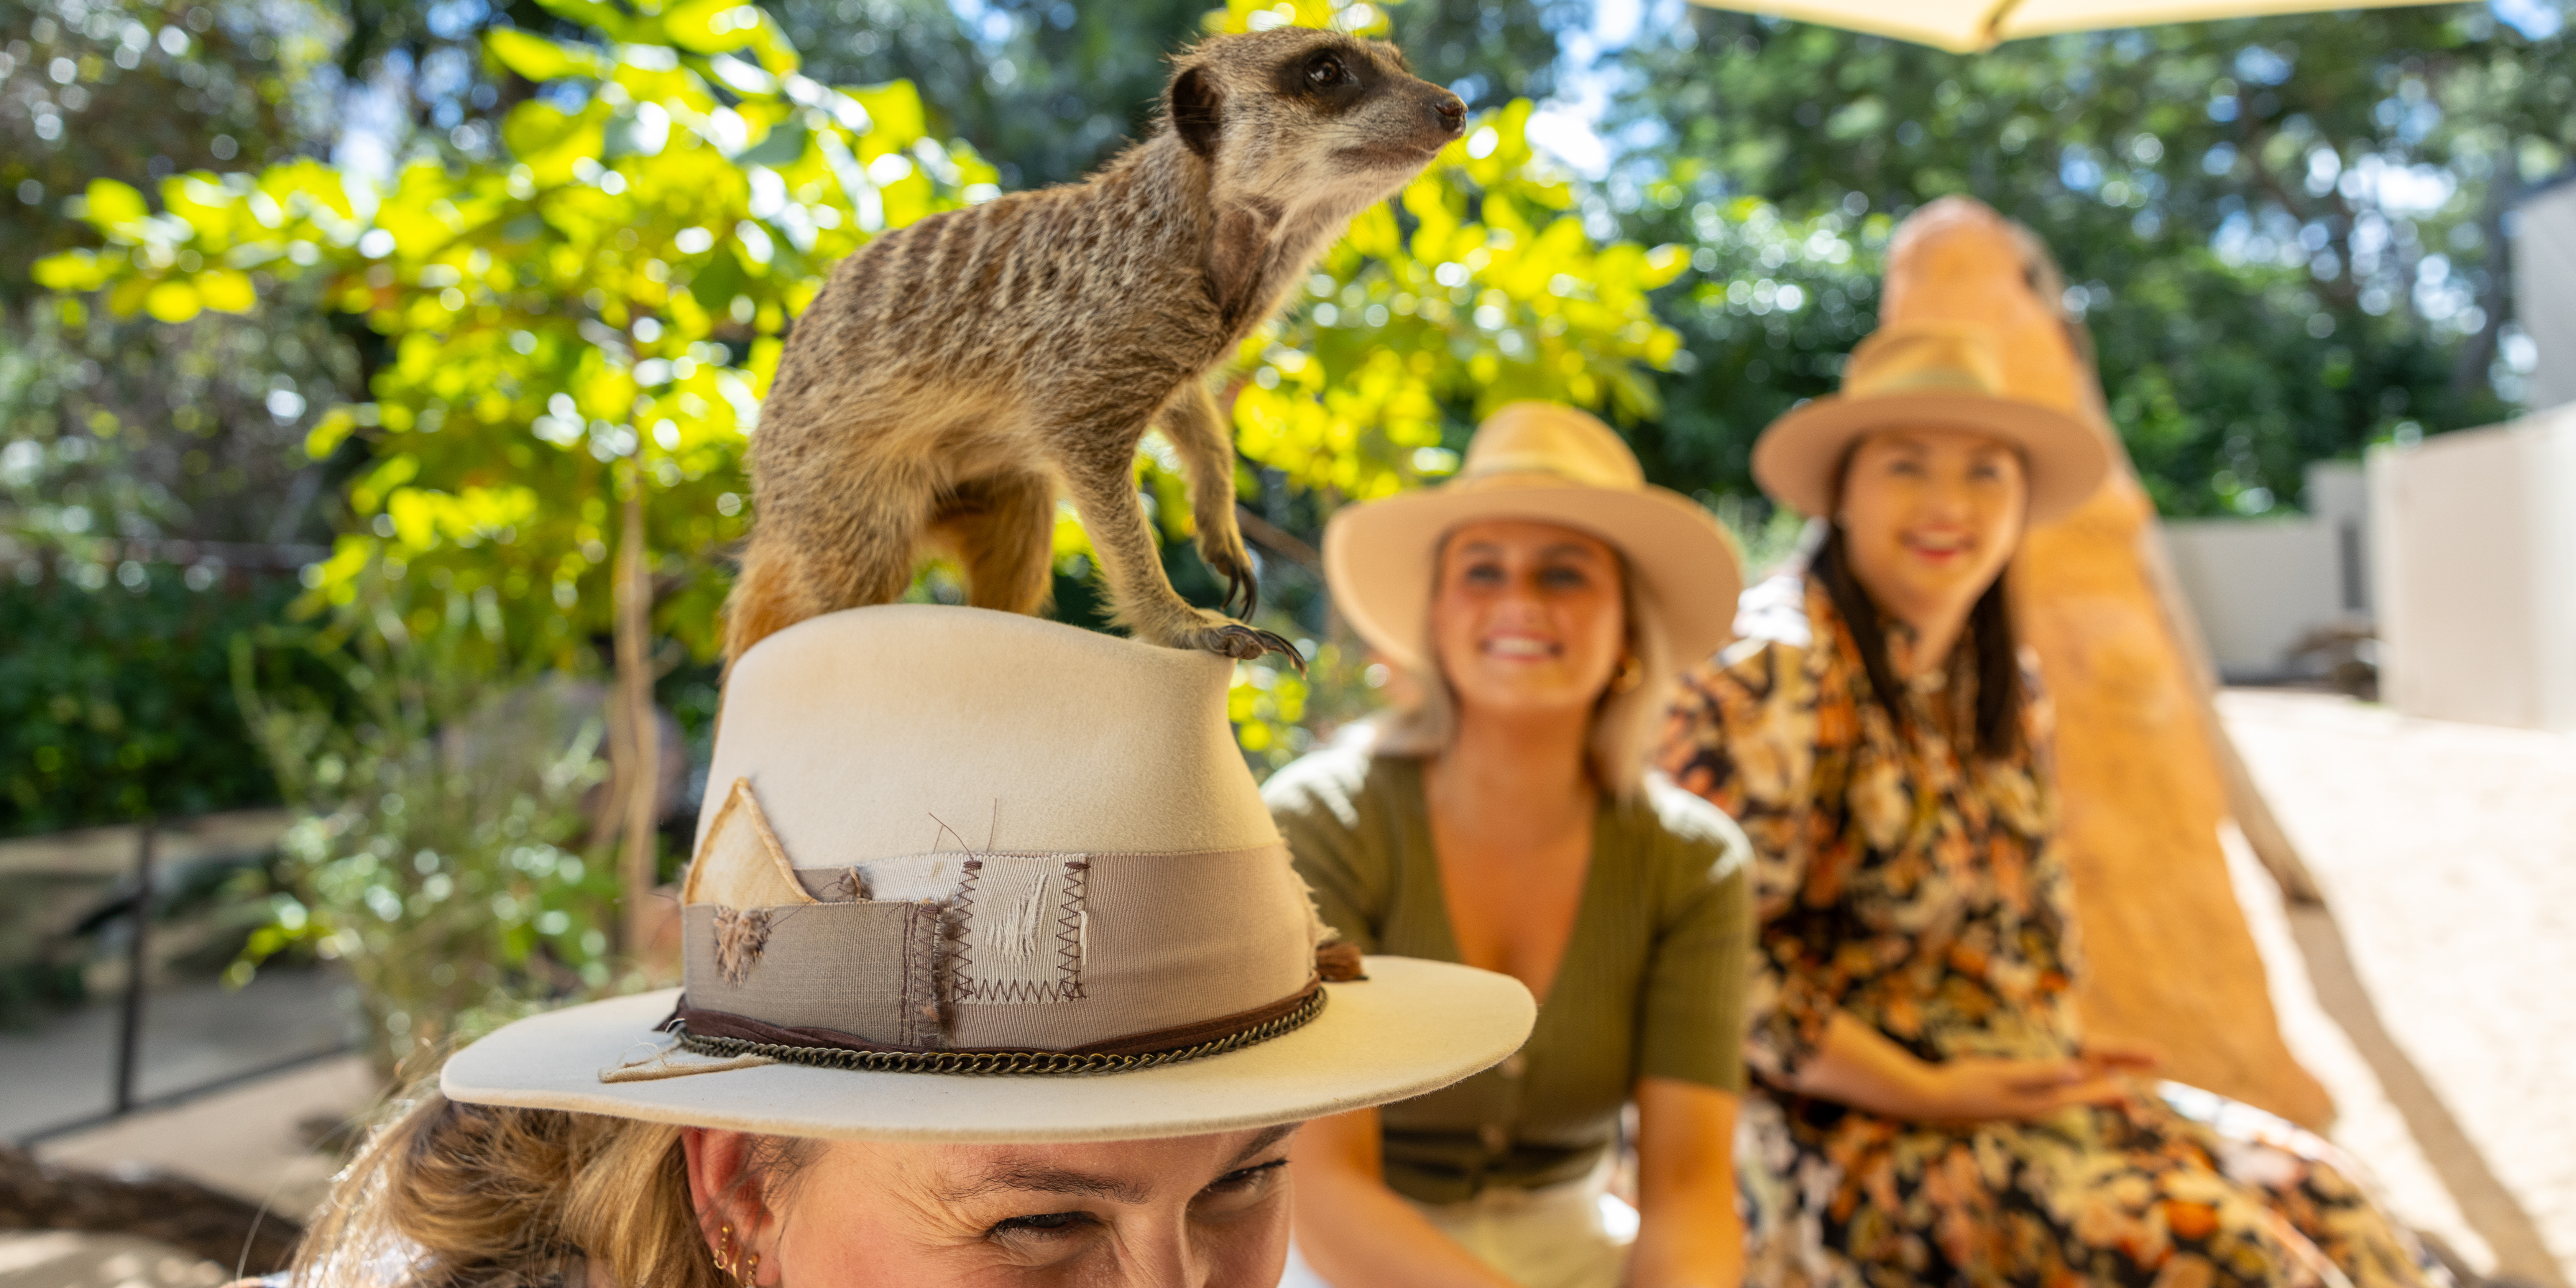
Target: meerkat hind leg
x=1140, y=595
x=1002, y=529
x=808, y=559
x=1198, y=433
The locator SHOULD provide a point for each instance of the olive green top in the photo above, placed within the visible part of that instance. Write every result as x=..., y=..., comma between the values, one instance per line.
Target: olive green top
x=1652, y=983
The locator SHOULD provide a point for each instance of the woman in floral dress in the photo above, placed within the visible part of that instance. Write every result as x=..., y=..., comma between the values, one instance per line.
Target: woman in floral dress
x=1926, y=1108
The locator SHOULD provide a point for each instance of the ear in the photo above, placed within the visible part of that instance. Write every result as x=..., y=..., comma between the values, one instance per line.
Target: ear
x=1235, y=256
x=732, y=1214
x=1195, y=109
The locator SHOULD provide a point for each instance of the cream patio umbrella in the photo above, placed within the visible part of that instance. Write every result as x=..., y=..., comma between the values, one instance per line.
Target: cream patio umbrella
x=1965, y=26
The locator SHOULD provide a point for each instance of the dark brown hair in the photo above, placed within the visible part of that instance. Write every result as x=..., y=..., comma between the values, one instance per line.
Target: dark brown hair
x=1997, y=654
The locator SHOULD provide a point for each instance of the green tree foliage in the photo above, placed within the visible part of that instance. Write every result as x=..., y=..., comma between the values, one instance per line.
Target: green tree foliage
x=107, y=696
x=2285, y=234
x=89, y=90
x=596, y=310
x=132, y=429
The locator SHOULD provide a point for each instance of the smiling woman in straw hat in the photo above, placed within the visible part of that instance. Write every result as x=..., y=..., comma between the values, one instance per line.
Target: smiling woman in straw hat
x=1504, y=820
x=996, y=974
x=1926, y=1106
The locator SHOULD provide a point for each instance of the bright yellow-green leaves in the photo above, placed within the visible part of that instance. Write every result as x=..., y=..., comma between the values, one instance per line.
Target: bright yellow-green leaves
x=1495, y=294
x=595, y=310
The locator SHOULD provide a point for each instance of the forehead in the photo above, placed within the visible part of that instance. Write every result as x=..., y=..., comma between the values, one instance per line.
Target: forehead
x=1524, y=537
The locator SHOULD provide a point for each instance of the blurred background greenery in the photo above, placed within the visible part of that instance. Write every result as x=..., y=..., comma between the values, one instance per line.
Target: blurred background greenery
x=378, y=334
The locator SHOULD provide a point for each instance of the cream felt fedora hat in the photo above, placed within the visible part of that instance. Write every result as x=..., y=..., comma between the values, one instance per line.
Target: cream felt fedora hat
x=1942, y=375
x=970, y=876
x=1553, y=464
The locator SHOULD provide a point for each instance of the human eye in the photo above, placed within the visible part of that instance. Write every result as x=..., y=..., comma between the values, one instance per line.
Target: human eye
x=1249, y=1179
x=1042, y=1225
x=1483, y=572
x=1564, y=577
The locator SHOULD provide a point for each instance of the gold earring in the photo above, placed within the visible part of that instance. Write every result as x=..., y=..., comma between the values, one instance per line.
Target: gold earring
x=1631, y=673
x=740, y=1267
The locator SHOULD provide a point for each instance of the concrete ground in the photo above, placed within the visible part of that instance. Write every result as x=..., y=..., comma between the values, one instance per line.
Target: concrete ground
x=58, y=1259
x=248, y=1141
x=195, y=1031
x=2430, y=994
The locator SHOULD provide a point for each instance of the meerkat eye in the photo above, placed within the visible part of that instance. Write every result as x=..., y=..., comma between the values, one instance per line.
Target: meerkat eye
x=1327, y=70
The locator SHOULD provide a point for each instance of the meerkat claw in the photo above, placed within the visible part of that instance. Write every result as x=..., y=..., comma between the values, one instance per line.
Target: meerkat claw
x=1241, y=585
x=1244, y=643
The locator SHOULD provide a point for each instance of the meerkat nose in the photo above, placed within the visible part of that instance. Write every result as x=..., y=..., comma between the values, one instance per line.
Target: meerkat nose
x=1452, y=112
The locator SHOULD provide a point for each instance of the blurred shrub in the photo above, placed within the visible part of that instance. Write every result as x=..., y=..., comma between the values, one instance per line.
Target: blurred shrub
x=114, y=699
x=434, y=852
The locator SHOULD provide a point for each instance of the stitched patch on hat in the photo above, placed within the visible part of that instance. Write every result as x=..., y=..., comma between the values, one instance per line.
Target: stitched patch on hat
x=741, y=935
x=1022, y=929
x=742, y=862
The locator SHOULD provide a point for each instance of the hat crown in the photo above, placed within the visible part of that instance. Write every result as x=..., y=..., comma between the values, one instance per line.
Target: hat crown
x=1552, y=439
x=932, y=828
x=1925, y=358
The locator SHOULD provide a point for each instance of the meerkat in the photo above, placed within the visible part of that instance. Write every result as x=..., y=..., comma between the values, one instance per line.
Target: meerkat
x=953, y=377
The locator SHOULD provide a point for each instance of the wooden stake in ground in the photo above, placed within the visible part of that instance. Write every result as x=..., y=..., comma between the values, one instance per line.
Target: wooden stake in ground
x=637, y=753
x=2141, y=771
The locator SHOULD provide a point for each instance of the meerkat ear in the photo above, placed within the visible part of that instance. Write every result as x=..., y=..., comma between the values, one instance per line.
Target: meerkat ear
x=1195, y=110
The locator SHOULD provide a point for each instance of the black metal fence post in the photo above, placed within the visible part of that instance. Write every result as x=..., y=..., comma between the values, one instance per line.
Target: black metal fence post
x=129, y=1042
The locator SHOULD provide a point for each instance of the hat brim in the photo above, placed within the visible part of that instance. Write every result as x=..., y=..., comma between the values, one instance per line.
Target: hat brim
x=1795, y=459
x=1411, y=1027
x=1378, y=557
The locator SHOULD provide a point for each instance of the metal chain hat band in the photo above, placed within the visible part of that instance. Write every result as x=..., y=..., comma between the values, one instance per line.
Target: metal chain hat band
x=998, y=1062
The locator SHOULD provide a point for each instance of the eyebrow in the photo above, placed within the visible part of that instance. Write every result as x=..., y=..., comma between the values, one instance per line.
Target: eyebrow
x=1031, y=1178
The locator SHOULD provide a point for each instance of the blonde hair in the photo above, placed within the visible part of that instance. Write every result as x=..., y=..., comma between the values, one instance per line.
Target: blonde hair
x=1624, y=725
x=451, y=1195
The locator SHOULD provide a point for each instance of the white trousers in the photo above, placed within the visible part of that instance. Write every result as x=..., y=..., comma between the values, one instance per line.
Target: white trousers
x=1573, y=1235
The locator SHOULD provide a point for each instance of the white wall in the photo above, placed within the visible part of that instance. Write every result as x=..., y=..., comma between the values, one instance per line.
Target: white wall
x=2544, y=289
x=2474, y=547
x=2263, y=587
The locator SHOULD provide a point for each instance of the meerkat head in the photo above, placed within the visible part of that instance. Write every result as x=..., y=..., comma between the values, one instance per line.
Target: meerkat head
x=1294, y=118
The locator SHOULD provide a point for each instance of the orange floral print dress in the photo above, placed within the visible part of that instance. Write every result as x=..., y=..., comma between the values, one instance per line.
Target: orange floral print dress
x=1916, y=890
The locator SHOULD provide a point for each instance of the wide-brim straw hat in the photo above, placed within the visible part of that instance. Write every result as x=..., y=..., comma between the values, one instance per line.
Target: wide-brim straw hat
x=1927, y=375
x=967, y=876
x=1548, y=463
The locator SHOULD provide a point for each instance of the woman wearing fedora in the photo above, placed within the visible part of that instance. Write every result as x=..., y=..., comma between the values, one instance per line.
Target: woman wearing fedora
x=1505, y=820
x=996, y=973
x=1926, y=1107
